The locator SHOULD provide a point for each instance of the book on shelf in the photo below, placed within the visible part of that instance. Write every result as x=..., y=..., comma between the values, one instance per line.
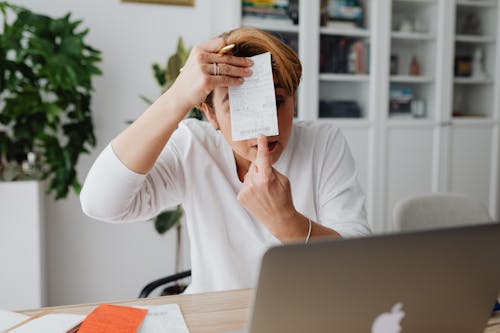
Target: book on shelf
x=400, y=100
x=359, y=58
x=272, y=9
x=339, y=109
x=347, y=11
x=344, y=55
x=289, y=39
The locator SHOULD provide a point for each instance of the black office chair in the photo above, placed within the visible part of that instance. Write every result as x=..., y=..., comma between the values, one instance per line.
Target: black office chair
x=173, y=289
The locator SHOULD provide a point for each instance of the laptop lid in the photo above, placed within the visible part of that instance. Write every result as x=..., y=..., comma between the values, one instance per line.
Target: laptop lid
x=431, y=281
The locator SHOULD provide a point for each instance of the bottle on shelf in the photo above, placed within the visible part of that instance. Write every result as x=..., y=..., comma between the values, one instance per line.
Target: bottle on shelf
x=414, y=67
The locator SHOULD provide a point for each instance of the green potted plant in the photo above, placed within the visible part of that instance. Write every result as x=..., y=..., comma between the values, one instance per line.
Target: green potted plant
x=46, y=72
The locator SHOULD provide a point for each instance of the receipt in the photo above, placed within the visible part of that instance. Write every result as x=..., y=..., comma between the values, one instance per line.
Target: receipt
x=253, y=104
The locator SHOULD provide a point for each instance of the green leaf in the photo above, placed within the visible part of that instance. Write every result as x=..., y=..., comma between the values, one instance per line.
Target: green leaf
x=168, y=219
x=174, y=66
x=159, y=74
x=46, y=73
x=195, y=113
x=180, y=46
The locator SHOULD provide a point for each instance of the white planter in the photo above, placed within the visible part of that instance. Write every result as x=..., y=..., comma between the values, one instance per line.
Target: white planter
x=22, y=245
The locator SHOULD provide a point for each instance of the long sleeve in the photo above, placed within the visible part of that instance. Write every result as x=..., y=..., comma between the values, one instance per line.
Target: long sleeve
x=113, y=193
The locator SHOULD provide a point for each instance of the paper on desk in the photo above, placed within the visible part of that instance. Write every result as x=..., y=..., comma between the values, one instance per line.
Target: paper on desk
x=51, y=323
x=163, y=318
x=253, y=104
x=9, y=319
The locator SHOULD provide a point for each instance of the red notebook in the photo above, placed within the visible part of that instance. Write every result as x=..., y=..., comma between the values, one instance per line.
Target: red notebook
x=107, y=318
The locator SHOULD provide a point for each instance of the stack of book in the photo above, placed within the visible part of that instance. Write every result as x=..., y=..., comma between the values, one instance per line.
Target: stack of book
x=274, y=9
x=339, y=109
x=400, y=100
x=343, y=14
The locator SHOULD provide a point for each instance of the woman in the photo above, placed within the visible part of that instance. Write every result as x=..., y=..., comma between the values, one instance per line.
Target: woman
x=240, y=197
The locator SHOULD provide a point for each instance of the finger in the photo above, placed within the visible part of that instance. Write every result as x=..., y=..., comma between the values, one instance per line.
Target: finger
x=225, y=69
x=213, y=45
x=225, y=81
x=228, y=59
x=263, y=160
x=228, y=70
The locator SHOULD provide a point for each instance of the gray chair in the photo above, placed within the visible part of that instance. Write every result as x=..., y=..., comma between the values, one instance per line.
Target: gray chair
x=438, y=210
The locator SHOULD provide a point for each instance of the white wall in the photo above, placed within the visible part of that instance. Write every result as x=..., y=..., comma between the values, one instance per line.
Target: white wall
x=90, y=261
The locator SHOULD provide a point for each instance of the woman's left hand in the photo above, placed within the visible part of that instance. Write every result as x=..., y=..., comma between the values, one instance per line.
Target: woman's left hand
x=266, y=193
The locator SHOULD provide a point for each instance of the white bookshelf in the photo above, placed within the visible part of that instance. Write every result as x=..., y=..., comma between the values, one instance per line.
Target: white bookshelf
x=468, y=122
x=399, y=155
x=467, y=80
x=475, y=39
x=411, y=79
x=345, y=32
x=415, y=1
x=347, y=123
x=271, y=24
x=412, y=35
x=477, y=3
x=344, y=77
x=408, y=121
x=474, y=94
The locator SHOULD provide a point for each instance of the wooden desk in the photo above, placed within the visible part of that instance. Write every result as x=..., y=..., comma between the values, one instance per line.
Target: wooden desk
x=209, y=312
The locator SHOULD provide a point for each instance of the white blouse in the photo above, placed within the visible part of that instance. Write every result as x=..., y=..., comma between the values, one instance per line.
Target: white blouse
x=197, y=168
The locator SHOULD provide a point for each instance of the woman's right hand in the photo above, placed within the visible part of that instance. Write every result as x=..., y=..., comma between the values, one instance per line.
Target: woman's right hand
x=198, y=76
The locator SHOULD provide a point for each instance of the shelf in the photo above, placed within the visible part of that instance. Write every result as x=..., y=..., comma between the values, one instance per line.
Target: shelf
x=471, y=120
x=347, y=122
x=344, y=77
x=270, y=24
x=411, y=35
x=416, y=1
x=474, y=39
x=408, y=121
x=345, y=32
x=469, y=80
x=477, y=3
x=411, y=79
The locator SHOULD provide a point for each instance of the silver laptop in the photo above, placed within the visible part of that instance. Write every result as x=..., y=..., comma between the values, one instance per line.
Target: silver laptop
x=432, y=281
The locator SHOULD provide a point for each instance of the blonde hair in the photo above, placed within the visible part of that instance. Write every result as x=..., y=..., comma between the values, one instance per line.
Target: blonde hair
x=286, y=65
